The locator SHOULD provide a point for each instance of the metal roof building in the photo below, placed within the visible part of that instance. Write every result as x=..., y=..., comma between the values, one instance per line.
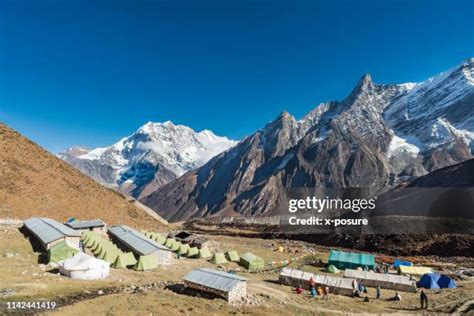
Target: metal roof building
x=230, y=286
x=86, y=225
x=139, y=244
x=49, y=232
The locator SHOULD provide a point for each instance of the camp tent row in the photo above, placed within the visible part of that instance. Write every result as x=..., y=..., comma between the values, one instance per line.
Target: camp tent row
x=50, y=232
x=230, y=286
x=412, y=270
x=351, y=260
x=293, y=277
x=386, y=281
x=107, y=251
x=151, y=252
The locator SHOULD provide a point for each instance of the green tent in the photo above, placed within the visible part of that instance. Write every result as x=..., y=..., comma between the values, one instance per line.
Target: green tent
x=192, y=252
x=93, y=243
x=89, y=240
x=159, y=239
x=146, y=263
x=130, y=259
x=332, y=269
x=232, y=256
x=98, y=243
x=252, y=262
x=84, y=235
x=219, y=258
x=124, y=260
x=169, y=242
x=175, y=247
x=96, y=251
x=61, y=251
x=183, y=250
x=351, y=260
x=120, y=262
x=204, y=253
x=110, y=255
x=103, y=251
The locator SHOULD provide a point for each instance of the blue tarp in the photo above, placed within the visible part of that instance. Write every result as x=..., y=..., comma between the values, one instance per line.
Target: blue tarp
x=398, y=263
x=446, y=282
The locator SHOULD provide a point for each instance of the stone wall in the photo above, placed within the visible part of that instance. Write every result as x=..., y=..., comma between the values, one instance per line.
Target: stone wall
x=237, y=292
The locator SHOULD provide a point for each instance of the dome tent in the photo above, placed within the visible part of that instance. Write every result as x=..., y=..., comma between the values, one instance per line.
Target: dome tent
x=429, y=281
x=446, y=282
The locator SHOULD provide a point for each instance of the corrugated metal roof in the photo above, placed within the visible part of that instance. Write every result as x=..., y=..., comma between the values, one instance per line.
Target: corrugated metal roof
x=136, y=241
x=214, y=279
x=48, y=230
x=86, y=224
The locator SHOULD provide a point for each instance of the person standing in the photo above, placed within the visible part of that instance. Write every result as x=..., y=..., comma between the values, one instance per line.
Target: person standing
x=423, y=300
x=378, y=291
x=326, y=293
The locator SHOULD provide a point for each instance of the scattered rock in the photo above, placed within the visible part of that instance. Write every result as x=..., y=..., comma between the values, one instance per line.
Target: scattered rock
x=9, y=255
x=6, y=292
x=100, y=292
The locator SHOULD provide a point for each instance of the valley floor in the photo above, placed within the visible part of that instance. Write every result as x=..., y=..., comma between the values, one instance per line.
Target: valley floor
x=160, y=292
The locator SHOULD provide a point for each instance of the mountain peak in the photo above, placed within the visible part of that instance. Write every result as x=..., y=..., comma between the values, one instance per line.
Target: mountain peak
x=365, y=81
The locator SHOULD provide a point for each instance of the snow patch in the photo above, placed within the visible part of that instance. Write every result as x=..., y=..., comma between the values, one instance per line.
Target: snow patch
x=399, y=145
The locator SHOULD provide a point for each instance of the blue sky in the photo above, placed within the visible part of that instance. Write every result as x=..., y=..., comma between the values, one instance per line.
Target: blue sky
x=83, y=72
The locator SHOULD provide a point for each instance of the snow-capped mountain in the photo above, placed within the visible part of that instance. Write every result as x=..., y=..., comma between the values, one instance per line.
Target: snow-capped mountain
x=379, y=136
x=155, y=154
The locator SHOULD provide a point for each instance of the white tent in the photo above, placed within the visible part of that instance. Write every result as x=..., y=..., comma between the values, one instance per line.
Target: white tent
x=84, y=267
x=386, y=281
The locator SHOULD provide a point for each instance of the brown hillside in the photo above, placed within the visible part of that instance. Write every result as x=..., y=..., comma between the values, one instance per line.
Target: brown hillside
x=34, y=182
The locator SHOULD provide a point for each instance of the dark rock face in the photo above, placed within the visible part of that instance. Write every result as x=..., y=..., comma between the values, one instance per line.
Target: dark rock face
x=378, y=137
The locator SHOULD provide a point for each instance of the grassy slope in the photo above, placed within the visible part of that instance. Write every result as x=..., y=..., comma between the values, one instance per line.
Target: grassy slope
x=36, y=183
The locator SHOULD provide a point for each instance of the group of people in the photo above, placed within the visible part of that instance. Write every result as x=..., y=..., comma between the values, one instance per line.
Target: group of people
x=357, y=289
x=321, y=292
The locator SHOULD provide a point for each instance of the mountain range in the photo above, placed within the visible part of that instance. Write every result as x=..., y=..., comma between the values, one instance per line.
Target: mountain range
x=378, y=137
x=154, y=155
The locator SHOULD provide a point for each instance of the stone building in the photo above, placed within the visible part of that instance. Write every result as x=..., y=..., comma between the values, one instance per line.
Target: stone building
x=229, y=286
